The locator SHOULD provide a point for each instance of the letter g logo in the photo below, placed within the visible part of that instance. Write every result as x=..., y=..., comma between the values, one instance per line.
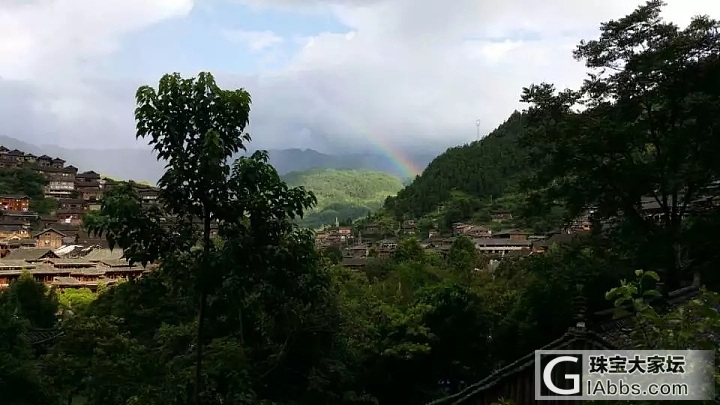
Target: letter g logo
x=547, y=376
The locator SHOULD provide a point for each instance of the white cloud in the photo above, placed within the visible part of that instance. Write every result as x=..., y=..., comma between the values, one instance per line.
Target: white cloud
x=51, y=53
x=419, y=71
x=410, y=72
x=255, y=40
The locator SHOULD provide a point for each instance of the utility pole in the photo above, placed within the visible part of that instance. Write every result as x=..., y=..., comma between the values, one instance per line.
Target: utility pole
x=477, y=124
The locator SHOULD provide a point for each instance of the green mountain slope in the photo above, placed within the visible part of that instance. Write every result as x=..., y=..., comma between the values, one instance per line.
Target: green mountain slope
x=343, y=193
x=483, y=169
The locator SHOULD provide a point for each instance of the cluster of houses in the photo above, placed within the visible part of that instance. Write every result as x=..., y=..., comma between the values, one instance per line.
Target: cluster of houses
x=41, y=244
x=71, y=266
x=494, y=245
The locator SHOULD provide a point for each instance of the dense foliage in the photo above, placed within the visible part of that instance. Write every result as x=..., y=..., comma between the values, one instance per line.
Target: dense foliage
x=255, y=315
x=482, y=169
x=22, y=182
x=343, y=194
x=29, y=183
x=644, y=125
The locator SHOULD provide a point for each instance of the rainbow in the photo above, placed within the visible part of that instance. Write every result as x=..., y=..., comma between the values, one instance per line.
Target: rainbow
x=407, y=167
x=404, y=165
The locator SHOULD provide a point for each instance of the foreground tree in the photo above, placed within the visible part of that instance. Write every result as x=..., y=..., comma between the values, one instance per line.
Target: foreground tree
x=32, y=301
x=196, y=128
x=643, y=124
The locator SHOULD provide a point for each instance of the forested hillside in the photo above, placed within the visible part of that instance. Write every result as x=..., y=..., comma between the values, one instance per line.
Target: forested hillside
x=480, y=169
x=343, y=194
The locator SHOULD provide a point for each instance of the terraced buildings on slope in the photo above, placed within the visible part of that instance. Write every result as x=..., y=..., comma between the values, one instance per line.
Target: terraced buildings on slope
x=52, y=247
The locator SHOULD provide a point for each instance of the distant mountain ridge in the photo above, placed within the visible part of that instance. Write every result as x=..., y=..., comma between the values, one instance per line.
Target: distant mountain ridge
x=299, y=160
x=141, y=165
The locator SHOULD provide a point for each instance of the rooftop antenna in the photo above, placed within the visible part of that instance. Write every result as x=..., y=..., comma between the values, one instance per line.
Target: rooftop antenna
x=477, y=124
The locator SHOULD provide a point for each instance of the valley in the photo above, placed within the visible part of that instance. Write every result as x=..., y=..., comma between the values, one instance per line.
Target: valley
x=343, y=195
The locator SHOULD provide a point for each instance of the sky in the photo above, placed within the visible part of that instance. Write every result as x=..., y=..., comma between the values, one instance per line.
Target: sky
x=332, y=75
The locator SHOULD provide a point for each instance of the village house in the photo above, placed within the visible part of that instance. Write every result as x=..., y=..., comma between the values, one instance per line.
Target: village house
x=49, y=239
x=473, y=231
x=16, y=155
x=26, y=216
x=58, y=163
x=513, y=234
x=14, y=202
x=387, y=244
x=89, y=178
x=408, y=227
x=148, y=195
x=93, y=205
x=97, y=267
x=500, y=216
x=71, y=216
x=356, y=251
x=44, y=161
x=541, y=246
x=89, y=193
x=459, y=227
x=502, y=246
x=72, y=203
x=30, y=255
x=11, y=244
x=61, y=181
x=354, y=263
x=46, y=221
x=580, y=224
x=9, y=162
x=10, y=270
x=435, y=242
x=14, y=231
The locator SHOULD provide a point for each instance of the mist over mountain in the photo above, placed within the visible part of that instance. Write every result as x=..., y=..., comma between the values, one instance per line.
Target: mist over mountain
x=140, y=164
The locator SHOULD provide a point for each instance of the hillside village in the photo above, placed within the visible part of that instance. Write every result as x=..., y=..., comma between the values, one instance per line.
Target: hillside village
x=363, y=243
x=58, y=251
x=359, y=244
x=55, y=248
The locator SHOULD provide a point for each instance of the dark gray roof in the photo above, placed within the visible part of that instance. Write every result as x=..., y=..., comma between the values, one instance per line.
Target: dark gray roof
x=49, y=230
x=29, y=254
x=572, y=336
x=354, y=261
x=38, y=336
x=502, y=242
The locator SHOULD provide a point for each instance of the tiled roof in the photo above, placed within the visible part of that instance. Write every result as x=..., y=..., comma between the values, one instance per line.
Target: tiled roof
x=6, y=263
x=502, y=242
x=572, y=336
x=618, y=331
x=29, y=254
x=38, y=336
x=103, y=254
x=354, y=261
x=49, y=230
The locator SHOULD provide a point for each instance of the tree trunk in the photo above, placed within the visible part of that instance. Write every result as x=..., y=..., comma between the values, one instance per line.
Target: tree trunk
x=202, y=306
x=199, y=353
